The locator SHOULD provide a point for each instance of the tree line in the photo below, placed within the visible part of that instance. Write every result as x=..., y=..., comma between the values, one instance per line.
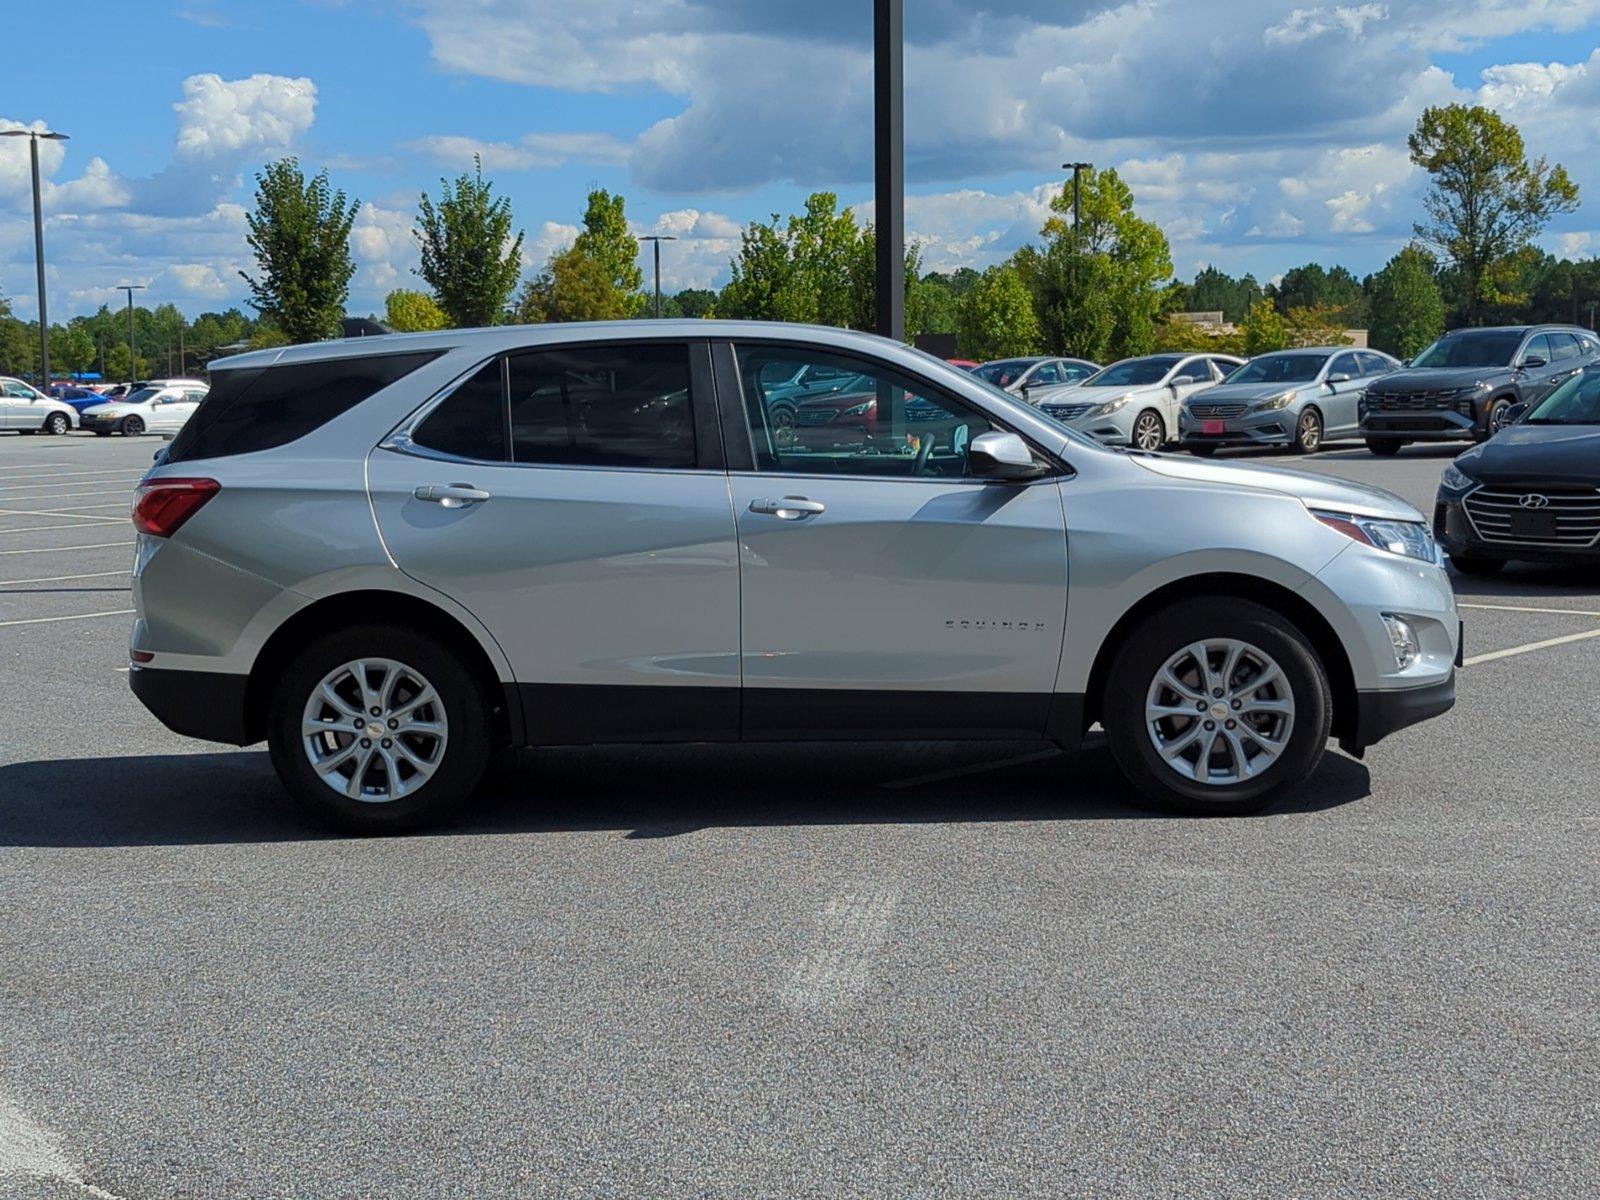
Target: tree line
x=1098, y=283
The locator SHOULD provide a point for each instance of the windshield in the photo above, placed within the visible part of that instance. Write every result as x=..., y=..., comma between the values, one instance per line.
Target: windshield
x=1575, y=402
x=1134, y=372
x=1473, y=348
x=140, y=396
x=1279, y=368
x=1003, y=371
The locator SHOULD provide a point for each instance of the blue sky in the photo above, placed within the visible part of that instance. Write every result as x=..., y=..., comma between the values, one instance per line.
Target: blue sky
x=1261, y=134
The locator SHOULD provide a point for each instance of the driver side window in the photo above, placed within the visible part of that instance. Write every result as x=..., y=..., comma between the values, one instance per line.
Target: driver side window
x=882, y=423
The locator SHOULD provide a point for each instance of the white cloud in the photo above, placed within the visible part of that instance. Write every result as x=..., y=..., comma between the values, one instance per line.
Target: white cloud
x=219, y=118
x=1303, y=24
x=530, y=152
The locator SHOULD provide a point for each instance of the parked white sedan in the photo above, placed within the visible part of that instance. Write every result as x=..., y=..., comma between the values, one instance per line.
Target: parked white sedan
x=1135, y=402
x=26, y=409
x=161, y=406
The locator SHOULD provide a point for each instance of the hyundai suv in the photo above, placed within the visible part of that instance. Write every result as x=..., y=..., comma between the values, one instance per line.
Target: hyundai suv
x=1461, y=387
x=388, y=557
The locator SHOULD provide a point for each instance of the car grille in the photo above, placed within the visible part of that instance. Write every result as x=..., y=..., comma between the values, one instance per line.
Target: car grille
x=815, y=416
x=1066, y=412
x=1213, y=412
x=1576, y=512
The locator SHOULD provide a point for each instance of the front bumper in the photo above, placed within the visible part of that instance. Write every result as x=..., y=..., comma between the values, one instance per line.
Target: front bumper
x=1383, y=713
x=1267, y=429
x=1455, y=532
x=1423, y=425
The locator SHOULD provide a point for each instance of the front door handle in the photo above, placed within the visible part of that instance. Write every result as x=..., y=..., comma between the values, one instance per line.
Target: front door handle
x=451, y=495
x=790, y=508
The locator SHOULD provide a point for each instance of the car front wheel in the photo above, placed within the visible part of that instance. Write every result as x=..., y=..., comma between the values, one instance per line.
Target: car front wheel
x=57, y=424
x=1495, y=419
x=1308, y=432
x=1149, y=431
x=1384, y=447
x=1215, y=706
x=378, y=729
x=132, y=426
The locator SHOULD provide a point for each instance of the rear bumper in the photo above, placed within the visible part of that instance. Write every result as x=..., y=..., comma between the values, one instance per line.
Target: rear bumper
x=1386, y=712
x=208, y=705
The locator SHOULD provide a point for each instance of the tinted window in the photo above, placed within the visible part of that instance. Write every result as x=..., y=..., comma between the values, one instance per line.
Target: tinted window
x=603, y=406
x=1076, y=371
x=257, y=409
x=471, y=421
x=1538, y=347
x=1374, y=364
x=1564, y=345
x=1575, y=402
x=1135, y=372
x=1280, y=368
x=1048, y=373
x=1473, y=348
x=1344, y=364
x=889, y=425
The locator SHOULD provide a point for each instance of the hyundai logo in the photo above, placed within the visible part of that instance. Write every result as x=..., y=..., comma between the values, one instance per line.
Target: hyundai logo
x=1534, y=500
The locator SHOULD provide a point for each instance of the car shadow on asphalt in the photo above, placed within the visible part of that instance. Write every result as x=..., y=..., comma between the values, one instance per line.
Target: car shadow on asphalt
x=644, y=792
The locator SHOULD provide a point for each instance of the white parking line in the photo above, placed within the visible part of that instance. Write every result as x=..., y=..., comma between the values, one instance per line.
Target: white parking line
x=83, y=523
x=124, y=503
x=36, y=480
x=62, y=549
x=116, y=612
x=1561, y=612
x=116, y=491
x=63, y=578
x=1493, y=655
x=52, y=512
x=973, y=769
x=833, y=970
x=29, y=1149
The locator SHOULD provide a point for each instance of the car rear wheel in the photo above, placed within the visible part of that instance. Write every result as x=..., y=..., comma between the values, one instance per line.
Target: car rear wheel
x=1214, y=706
x=132, y=426
x=1477, y=566
x=57, y=424
x=1308, y=432
x=378, y=729
x=1149, y=431
x=1384, y=447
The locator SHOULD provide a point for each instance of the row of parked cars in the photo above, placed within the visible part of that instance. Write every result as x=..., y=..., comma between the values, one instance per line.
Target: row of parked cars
x=150, y=406
x=1466, y=386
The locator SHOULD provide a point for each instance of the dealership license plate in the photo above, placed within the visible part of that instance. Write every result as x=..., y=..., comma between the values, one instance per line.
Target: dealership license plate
x=1213, y=426
x=1537, y=526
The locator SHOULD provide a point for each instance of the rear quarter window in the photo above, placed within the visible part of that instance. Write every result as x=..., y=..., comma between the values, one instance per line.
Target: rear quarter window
x=261, y=408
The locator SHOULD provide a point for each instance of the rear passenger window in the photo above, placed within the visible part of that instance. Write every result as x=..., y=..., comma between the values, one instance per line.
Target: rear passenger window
x=1563, y=345
x=470, y=422
x=603, y=406
x=259, y=408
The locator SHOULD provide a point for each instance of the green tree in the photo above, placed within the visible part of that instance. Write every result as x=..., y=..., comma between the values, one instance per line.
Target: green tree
x=300, y=232
x=1217, y=291
x=1407, y=310
x=1265, y=329
x=1097, y=289
x=407, y=311
x=696, y=302
x=1487, y=200
x=995, y=319
x=469, y=257
x=71, y=348
x=605, y=239
x=1314, y=287
x=117, y=364
x=574, y=287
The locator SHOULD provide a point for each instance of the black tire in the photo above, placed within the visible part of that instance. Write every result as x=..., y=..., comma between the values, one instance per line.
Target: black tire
x=57, y=424
x=1148, y=427
x=1481, y=567
x=1384, y=447
x=1493, y=419
x=132, y=426
x=467, y=711
x=1148, y=649
x=1307, y=432
x=1201, y=450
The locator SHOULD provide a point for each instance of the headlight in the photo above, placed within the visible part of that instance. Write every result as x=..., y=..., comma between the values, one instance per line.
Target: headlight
x=1409, y=539
x=1465, y=391
x=855, y=410
x=1457, y=480
x=1273, y=403
x=1404, y=640
x=1111, y=406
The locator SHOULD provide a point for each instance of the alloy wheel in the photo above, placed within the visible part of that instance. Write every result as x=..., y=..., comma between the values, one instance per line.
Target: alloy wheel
x=1310, y=436
x=1220, y=712
x=1148, y=432
x=374, y=730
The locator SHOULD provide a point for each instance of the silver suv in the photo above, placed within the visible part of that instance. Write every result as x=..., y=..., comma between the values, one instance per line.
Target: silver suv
x=388, y=558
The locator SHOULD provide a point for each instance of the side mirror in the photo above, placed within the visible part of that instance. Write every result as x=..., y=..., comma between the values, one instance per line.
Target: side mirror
x=1516, y=412
x=1338, y=377
x=1532, y=363
x=1002, y=456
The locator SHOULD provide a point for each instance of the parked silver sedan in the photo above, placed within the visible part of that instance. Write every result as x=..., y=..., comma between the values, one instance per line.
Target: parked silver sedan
x=1027, y=377
x=1293, y=398
x=1135, y=402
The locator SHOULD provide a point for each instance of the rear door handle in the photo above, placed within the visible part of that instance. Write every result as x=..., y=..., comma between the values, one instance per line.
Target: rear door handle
x=451, y=495
x=790, y=508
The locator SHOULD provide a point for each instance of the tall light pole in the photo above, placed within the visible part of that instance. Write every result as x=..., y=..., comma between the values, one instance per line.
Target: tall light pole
x=1077, y=169
x=658, y=238
x=889, y=165
x=33, y=136
x=133, y=352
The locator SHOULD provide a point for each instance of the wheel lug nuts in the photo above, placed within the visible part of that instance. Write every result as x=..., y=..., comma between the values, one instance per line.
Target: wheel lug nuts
x=1237, y=705
x=366, y=743
x=394, y=722
x=379, y=712
x=1231, y=724
x=1210, y=725
x=1216, y=693
x=359, y=722
x=387, y=743
x=1200, y=706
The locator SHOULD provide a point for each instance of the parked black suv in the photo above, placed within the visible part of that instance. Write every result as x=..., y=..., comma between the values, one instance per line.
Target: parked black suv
x=1460, y=388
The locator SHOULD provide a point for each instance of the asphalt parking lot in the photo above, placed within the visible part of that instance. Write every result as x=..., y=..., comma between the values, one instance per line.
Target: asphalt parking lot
x=819, y=971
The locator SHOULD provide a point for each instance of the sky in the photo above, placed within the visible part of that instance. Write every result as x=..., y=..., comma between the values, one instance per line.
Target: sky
x=1259, y=134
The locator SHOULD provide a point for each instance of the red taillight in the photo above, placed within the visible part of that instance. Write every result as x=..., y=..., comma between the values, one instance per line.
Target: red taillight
x=161, y=506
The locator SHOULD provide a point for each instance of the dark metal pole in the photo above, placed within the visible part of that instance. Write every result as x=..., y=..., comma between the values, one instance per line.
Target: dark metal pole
x=889, y=167
x=658, y=278
x=38, y=250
